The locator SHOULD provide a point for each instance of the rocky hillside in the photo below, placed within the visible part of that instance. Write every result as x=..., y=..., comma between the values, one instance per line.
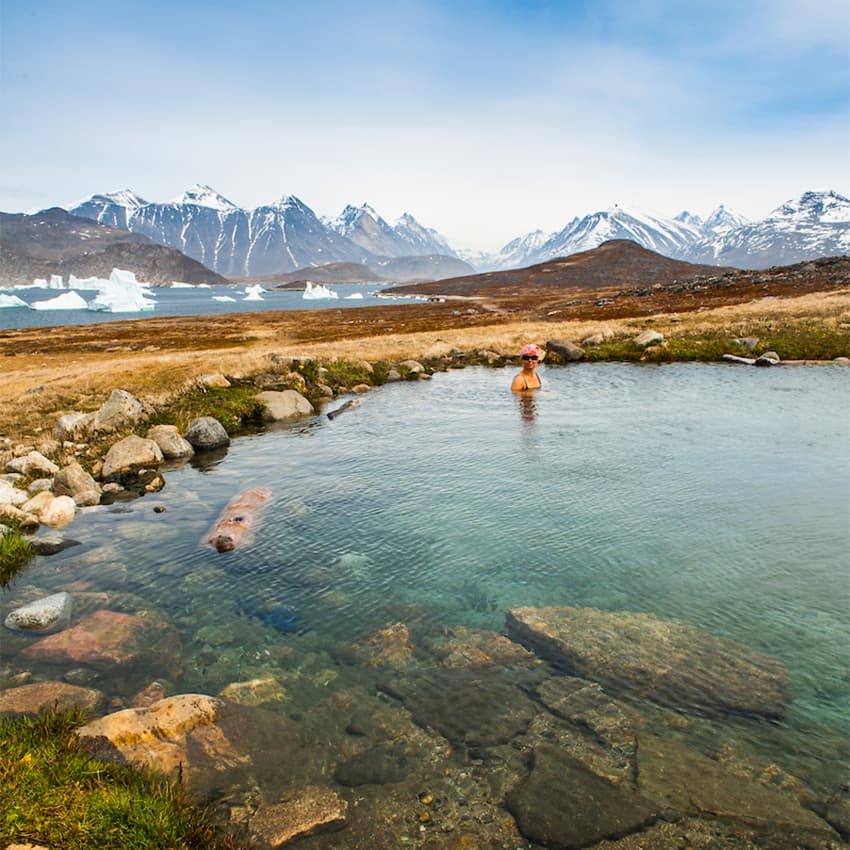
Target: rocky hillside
x=56, y=242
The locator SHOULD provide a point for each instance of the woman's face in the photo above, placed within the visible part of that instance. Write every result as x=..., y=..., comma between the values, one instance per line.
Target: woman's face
x=529, y=362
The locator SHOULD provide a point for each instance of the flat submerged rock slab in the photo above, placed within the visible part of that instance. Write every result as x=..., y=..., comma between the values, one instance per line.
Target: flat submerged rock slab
x=667, y=662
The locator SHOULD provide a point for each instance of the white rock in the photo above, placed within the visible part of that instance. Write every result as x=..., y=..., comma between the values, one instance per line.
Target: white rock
x=72, y=426
x=289, y=404
x=36, y=464
x=50, y=614
x=648, y=338
x=131, y=453
x=59, y=512
x=171, y=444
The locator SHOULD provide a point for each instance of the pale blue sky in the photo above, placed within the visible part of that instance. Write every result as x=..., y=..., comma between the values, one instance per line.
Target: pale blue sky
x=483, y=119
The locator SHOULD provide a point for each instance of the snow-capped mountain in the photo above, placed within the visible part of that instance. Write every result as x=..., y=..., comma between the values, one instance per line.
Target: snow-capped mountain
x=815, y=225
x=270, y=239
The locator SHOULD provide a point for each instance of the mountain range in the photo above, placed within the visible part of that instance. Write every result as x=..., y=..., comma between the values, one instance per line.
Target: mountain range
x=287, y=235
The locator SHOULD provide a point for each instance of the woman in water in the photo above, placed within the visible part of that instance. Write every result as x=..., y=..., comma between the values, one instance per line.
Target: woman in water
x=528, y=379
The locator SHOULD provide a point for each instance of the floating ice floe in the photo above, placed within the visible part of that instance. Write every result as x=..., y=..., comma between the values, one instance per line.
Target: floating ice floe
x=222, y=298
x=354, y=295
x=122, y=293
x=12, y=301
x=316, y=290
x=65, y=301
x=254, y=293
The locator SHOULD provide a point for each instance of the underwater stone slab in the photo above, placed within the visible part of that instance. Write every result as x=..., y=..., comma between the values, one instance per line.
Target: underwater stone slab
x=562, y=805
x=308, y=811
x=381, y=765
x=679, y=776
x=666, y=662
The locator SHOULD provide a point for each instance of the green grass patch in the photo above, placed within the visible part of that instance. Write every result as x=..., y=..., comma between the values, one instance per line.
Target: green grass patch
x=15, y=553
x=54, y=794
x=235, y=407
x=807, y=341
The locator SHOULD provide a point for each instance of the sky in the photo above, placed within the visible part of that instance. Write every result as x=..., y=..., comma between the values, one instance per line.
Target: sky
x=485, y=119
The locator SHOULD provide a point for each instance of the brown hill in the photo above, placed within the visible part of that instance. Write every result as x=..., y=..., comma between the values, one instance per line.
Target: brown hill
x=617, y=263
x=338, y=273
x=55, y=242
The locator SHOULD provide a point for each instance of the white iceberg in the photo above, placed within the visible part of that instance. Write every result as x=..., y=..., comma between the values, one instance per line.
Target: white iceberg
x=222, y=298
x=85, y=282
x=254, y=293
x=122, y=293
x=38, y=283
x=316, y=290
x=65, y=301
x=56, y=282
x=354, y=295
x=178, y=284
x=12, y=301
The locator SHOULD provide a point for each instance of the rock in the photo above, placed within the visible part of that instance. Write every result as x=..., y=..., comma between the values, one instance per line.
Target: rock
x=361, y=388
x=73, y=426
x=678, y=776
x=388, y=647
x=750, y=343
x=666, y=662
x=32, y=465
x=37, y=503
x=39, y=485
x=121, y=410
x=58, y=512
x=280, y=406
x=109, y=640
x=648, y=338
x=10, y=495
x=171, y=444
x=393, y=375
x=564, y=805
x=565, y=350
x=302, y=812
x=412, y=366
x=769, y=358
x=254, y=692
x=214, y=381
x=38, y=696
x=460, y=647
x=381, y=765
x=130, y=455
x=837, y=811
x=44, y=616
x=26, y=521
x=206, y=433
x=51, y=542
x=475, y=708
x=593, y=339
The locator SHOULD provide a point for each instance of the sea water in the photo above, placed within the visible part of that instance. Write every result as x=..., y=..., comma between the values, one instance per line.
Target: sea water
x=711, y=494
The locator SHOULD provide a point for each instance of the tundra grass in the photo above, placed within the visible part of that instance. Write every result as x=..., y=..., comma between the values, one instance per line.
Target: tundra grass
x=15, y=553
x=55, y=795
x=236, y=408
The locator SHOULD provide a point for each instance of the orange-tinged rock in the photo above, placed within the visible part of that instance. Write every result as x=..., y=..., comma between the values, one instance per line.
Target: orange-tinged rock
x=32, y=698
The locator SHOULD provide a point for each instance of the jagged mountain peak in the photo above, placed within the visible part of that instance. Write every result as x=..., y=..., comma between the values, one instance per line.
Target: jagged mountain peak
x=826, y=205
x=205, y=196
x=686, y=217
x=722, y=218
x=123, y=198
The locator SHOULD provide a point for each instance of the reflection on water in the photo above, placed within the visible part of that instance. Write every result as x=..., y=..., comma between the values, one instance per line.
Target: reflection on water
x=400, y=534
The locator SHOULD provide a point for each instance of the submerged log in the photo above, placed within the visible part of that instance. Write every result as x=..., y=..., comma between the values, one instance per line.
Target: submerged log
x=233, y=527
x=349, y=405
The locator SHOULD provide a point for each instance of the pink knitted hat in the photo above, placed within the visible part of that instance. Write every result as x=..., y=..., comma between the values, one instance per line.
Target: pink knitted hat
x=532, y=348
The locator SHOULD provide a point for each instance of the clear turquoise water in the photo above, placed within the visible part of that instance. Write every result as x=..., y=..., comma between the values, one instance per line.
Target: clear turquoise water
x=718, y=495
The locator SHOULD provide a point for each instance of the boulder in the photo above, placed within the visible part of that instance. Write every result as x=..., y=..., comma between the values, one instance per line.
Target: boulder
x=648, y=338
x=51, y=542
x=412, y=366
x=381, y=765
x=750, y=343
x=171, y=444
x=58, y=512
x=40, y=696
x=214, y=381
x=32, y=465
x=206, y=433
x=297, y=814
x=39, y=485
x=387, y=647
x=43, y=616
x=10, y=495
x=280, y=406
x=563, y=805
x=72, y=480
x=564, y=350
x=462, y=647
x=110, y=641
x=121, y=410
x=130, y=455
x=37, y=503
x=593, y=339
x=254, y=691
x=769, y=358
x=666, y=662
x=73, y=426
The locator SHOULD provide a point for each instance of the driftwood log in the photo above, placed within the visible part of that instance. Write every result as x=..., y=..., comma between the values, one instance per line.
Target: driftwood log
x=349, y=405
x=233, y=528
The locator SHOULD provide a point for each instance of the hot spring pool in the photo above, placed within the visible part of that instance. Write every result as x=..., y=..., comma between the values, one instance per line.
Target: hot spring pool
x=714, y=495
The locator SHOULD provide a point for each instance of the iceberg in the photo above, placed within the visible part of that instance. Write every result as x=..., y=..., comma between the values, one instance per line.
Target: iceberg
x=56, y=282
x=354, y=295
x=254, y=293
x=316, y=290
x=12, y=301
x=122, y=293
x=222, y=298
x=84, y=282
x=65, y=301
x=178, y=284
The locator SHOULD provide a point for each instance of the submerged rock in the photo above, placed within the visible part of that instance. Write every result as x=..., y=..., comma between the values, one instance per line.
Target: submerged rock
x=666, y=662
x=297, y=814
x=379, y=765
x=388, y=647
x=46, y=615
x=39, y=696
x=563, y=805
